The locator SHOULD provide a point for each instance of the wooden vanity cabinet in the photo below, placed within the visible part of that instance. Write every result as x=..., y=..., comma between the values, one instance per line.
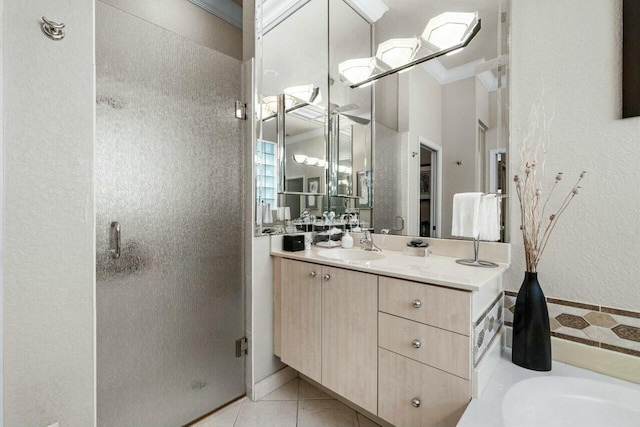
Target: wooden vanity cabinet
x=301, y=317
x=399, y=349
x=329, y=328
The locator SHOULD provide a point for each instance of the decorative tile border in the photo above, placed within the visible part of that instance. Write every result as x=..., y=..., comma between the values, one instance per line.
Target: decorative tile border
x=486, y=329
x=604, y=327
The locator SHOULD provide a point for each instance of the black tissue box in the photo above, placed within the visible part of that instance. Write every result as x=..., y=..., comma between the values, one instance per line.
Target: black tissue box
x=293, y=243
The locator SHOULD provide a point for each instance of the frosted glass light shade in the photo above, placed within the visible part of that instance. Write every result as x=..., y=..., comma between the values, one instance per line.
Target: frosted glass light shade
x=448, y=29
x=305, y=93
x=397, y=52
x=357, y=70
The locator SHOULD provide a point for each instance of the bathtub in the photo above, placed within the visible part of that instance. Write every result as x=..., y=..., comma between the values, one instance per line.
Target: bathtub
x=565, y=397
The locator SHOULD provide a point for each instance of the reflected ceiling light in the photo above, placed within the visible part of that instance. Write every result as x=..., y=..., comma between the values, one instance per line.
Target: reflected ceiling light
x=311, y=161
x=305, y=93
x=449, y=29
x=269, y=106
x=397, y=52
x=299, y=158
x=357, y=70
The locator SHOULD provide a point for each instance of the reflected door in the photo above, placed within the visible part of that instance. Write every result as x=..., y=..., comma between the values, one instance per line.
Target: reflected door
x=169, y=273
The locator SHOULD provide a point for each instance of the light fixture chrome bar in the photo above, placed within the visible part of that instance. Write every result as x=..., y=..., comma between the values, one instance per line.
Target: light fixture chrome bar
x=408, y=65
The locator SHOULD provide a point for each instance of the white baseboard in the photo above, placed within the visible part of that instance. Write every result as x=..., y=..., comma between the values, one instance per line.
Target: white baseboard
x=614, y=364
x=273, y=382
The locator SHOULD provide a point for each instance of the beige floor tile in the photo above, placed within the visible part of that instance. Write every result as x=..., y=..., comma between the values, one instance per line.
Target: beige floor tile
x=289, y=391
x=310, y=392
x=365, y=422
x=267, y=414
x=226, y=417
x=325, y=413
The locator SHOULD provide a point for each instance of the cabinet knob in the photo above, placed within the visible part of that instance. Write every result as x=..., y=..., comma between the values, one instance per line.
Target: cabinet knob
x=416, y=343
x=327, y=277
x=417, y=303
x=415, y=402
x=312, y=274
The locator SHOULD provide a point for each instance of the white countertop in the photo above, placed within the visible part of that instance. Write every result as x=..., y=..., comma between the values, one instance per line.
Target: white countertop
x=435, y=269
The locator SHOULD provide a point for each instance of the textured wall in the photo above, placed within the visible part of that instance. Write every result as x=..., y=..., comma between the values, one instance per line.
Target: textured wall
x=570, y=51
x=188, y=20
x=169, y=169
x=48, y=215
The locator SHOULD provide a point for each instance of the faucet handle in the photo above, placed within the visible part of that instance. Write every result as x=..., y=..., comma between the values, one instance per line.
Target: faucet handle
x=385, y=231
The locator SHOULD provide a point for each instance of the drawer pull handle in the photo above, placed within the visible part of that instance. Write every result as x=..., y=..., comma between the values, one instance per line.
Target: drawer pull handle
x=312, y=274
x=416, y=343
x=326, y=277
x=417, y=303
x=415, y=402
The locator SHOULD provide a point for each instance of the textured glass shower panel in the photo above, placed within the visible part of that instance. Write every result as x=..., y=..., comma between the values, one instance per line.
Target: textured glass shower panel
x=168, y=169
x=389, y=191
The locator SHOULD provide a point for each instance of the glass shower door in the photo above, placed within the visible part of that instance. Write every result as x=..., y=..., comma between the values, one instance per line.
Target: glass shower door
x=168, y=163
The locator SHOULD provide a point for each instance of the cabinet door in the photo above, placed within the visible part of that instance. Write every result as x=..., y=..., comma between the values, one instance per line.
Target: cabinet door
x=300, y=321
x=349, y=335
x=417, y=395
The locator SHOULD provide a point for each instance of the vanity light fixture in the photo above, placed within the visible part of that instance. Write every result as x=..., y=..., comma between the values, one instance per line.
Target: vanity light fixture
x=305, y=93
x=357, y=70
x=449, y=29
x=440, y=30
x=269, y=107
x=311, y=161
x=397, y=52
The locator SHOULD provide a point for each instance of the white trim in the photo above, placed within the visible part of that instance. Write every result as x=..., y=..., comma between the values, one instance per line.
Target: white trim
x=445, y=76
x=277, y=11
x=437, y=149
x=273, y=382
x=371, y=10
x=227, y=10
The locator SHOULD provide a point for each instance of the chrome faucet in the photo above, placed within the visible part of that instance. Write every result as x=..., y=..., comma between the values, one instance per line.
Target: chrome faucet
x=367, y=240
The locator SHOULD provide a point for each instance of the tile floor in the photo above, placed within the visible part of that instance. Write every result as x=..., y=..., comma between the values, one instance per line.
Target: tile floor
x=295, y=404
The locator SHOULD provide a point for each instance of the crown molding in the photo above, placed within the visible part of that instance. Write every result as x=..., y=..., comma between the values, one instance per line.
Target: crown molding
x=227, y=10
x=445, y=76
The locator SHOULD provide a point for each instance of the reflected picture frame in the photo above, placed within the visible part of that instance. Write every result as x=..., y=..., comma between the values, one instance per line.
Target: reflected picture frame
x=363, y=189
x=313, y=186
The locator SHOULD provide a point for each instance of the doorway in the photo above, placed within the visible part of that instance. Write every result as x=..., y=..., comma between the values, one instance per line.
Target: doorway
x=429, y=190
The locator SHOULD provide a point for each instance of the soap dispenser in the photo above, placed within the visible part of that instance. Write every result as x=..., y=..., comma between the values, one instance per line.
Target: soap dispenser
x=347, y=240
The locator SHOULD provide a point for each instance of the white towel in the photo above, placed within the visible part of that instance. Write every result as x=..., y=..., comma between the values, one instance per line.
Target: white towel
x=466, y=207
x=259, y=213
x=489, y=218
x=267, y=217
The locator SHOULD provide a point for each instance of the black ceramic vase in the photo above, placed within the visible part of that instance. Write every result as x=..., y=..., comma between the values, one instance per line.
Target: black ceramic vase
x=531, y=334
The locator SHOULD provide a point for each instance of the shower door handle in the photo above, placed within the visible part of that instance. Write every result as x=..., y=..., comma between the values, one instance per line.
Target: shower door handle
x=115, y=239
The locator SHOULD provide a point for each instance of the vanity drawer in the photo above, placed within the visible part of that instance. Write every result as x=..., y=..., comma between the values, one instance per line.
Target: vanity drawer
x=434, y=305
x=415, y=395
x=436, y=347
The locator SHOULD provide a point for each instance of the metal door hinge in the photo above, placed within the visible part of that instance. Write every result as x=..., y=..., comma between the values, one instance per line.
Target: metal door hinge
x=242, y=346
x=241, y=110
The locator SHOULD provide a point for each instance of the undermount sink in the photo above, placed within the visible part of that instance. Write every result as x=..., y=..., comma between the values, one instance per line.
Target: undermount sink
x=350, y=254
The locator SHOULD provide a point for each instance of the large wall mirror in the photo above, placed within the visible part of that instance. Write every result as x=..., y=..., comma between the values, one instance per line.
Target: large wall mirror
x=397, y=148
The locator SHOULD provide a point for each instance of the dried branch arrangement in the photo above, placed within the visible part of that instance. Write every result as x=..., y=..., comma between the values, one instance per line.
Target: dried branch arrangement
x=536, y=226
